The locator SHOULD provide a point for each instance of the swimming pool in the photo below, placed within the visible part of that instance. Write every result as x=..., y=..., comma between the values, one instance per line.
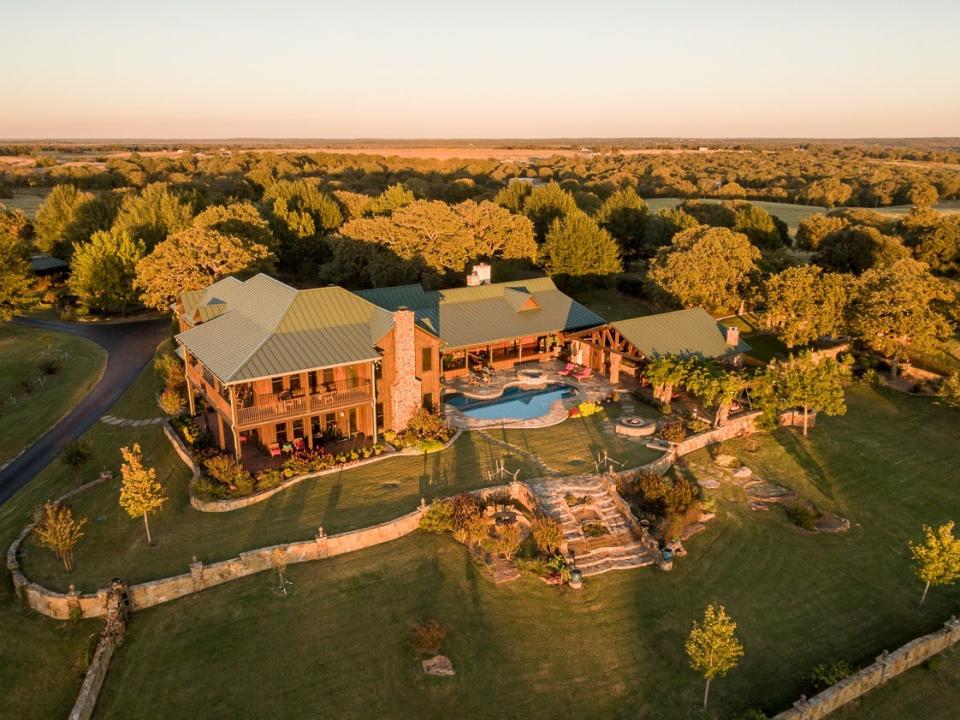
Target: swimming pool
x=516, y=403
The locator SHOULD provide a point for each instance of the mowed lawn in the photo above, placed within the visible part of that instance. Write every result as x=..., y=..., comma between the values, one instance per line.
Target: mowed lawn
x=339, y=645
x=26, y=199
x=114, y=545
x=790, y=213
x=27, y=415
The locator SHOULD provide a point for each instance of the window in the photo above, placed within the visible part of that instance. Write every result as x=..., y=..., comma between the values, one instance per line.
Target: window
x=330, y=421
x=315, y=425
x=379, y=414
x=426, y=359
x=294, y=384
x=298, y=428
x=428, y=401
x=281, y=429
x=353, y=376
x=352, y=421
x=276, y=385
x=312, y=381
x=328, y=378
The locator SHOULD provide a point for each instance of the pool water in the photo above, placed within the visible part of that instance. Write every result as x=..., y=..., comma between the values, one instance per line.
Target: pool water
x=516, y=403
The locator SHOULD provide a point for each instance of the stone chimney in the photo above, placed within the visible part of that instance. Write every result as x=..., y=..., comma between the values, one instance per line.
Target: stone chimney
x=405, y=385
x=480, y=274
x=733, y=336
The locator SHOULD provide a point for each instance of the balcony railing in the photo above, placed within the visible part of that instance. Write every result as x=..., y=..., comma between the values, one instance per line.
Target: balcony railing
x=263, y=408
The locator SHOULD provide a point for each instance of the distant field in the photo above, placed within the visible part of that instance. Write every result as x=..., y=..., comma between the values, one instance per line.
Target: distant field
x=26, y=199
x=790, y=213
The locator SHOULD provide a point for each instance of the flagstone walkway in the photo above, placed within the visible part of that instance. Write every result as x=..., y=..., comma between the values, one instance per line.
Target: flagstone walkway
x=129, y=422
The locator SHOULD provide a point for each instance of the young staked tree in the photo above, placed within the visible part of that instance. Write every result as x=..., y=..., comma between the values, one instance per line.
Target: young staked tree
x=936, y=561
x=278, y=559
x=140, y=492
x=75, y=455
x=57, y=529
x=807, y=382
x=713, y=647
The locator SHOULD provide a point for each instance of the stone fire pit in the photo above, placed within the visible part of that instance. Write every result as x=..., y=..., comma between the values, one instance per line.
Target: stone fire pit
x=635, y=426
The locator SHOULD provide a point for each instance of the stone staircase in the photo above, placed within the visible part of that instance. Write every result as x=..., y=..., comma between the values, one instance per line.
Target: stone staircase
x=620, y=551
x=597, y=561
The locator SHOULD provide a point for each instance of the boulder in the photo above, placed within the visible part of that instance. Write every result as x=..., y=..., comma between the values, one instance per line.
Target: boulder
x=438, y=666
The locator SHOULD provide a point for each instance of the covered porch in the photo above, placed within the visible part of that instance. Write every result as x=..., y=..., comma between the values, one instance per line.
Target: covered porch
x=500, y=355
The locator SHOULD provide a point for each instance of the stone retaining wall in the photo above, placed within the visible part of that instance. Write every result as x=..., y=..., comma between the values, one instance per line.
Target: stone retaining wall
x=887, y=665
x=93, y=680
x=729, y=430
x=228, y=504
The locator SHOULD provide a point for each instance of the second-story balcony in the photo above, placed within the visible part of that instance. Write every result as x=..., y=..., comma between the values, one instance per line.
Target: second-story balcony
x=257, y=409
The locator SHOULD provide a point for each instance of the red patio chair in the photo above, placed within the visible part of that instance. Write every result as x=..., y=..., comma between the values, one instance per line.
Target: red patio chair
x=583, y=374
x=275, y=449
x=568, y=368
x=298, y=444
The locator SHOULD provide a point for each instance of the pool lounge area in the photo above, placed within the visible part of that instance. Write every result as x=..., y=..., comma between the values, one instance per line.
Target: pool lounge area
x=529, y=396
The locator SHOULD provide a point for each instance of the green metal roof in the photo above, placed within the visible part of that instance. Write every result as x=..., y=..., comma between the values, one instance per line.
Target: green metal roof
x=268, y=328
x=484, y=314
x=682, y=332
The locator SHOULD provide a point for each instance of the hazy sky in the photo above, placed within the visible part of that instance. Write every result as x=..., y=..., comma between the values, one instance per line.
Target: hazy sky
x=523, y=68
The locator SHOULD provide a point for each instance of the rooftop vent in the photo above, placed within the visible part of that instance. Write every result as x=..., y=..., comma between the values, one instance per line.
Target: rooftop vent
x=733, y=336
x=479, y=275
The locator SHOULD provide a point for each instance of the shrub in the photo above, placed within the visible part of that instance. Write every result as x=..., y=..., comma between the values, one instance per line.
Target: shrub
x=652, y=486
x=828, y=674
x=801, y=515
x=547, y=534
x=673, y=431
x=438, y=518
x=949, y=390
x=586, y=409
x=535, y=565
x=507, y=540
x=751, y=714
x=472, y=530
x=426, y=425
x=464, y=507
x=50, y=366
x=169, y=367
x=426, y=637
x=731, y=462
x=429, y=446
x=172, y=402
x=268, y=479
x=227, y=471
x=594, y=530
x=698, y=425
x=682, y=493
x=389, y=436
x=210, y=489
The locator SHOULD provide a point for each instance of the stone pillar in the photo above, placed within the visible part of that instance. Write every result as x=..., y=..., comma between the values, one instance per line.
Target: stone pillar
x=73, y=600
x=615, y=367
x=321, y=540
x=196, y=574
x=422, y=507
x=404, y=386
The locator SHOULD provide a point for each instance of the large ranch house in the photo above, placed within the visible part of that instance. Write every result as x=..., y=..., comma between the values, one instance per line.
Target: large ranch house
x=284, y=369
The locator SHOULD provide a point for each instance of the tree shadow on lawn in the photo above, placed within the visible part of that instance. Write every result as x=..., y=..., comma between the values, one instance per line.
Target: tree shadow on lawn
x=796, y=447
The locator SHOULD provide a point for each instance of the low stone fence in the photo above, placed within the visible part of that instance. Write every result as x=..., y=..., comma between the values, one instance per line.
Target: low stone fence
x=887, y=665
x=228, y=504
x=92, y=682
x=734, y=427
x=200, y=576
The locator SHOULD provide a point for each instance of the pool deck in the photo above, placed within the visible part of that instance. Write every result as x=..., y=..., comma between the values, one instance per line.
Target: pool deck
x=595, y=387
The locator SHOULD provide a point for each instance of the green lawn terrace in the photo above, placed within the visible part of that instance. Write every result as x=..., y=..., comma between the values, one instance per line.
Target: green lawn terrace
x=613, y=649
x=115, y=545
x=43, y=374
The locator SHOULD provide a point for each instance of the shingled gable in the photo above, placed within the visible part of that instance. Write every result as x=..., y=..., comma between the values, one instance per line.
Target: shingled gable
x=268, y=328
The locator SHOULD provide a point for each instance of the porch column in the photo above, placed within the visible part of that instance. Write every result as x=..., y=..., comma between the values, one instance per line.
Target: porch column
x=373, y=401
x=222, y=433
x=191, y=403
x=308, y=429
x=615, y=367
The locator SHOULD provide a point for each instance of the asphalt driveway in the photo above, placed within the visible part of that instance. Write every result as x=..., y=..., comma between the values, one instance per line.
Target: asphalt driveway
x=129, y=346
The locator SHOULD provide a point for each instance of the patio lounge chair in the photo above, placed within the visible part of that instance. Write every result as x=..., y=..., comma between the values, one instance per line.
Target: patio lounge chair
x=583, y=373
x=274, y=449
x=298, y=444
x=568, y=368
